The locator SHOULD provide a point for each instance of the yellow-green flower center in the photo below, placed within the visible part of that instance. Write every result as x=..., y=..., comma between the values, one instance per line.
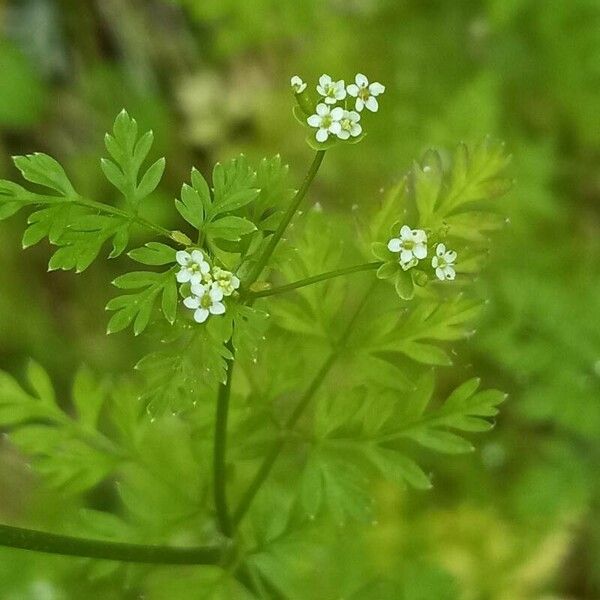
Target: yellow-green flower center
x=205, y=301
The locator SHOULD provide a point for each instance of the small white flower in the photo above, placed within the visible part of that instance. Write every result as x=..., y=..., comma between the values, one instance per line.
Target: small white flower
x=226, y=280
x=327, y=121
x=350, y=125
x=332, y=91
x=365, y=93
x=412, y=246
x=194, y=267
x=297, y=84
x=205, y=301
x=443, y=263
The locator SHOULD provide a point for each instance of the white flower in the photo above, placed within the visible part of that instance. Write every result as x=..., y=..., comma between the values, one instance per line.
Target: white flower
x=412, y=246
x=365, y=93
x=350, y=125
x=327, y=121
x=227, y=281
x=205, y=301
x=331, y=90
x=443, y=263
x=297, y=84
x=193, y=266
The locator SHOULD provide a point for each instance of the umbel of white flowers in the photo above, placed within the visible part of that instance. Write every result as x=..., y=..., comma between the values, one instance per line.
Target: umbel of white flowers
x=333, y=114
x=411, y=245
x=208, y=286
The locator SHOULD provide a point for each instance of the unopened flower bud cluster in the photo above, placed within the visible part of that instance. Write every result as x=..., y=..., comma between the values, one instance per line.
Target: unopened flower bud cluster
x=208, y=286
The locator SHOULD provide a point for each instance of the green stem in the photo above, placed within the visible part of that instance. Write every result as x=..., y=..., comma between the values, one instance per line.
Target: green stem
x=112, y=210
x=220, y=450
x=269, y=461
x=315, y=279
x=287, y=217
x=40, y=541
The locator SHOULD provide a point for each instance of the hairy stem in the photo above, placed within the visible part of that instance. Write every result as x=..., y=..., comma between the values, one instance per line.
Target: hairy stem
x=40, y=541
x=315, y=279
x=220, y=449
x=287, y=217
x=269, y=461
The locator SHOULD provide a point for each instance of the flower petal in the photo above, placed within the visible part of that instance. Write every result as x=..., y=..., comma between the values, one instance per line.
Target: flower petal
x=406, y=255
x=183, y=276
x=406, y=232
x=324, y=80
x=335, y=127
x=201, y=315
x=352, y=89
x=440, y=274
x=322, y=135
x=183, y=257
x=450, y=256
x=337, y=113
x=218, y=308
x=361, y=80
x=395, y=245
x=450, y=273
x=356, y=130
x=322, y=109
x=376, y=88
x=197, y=256
x=372, y=104
x=192, y=302
x=235, y=282
x=204, y=267
x=359, y=104
x=440, y=249
x=198, y=289
x=420, y=251
x=435, y=262
x=216, y=293
x=314, y=120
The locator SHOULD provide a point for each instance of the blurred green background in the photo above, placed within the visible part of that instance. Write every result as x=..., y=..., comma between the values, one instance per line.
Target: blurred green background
x=520, y=519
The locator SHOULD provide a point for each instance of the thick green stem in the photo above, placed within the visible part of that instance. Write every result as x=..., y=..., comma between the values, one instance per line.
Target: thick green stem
x=269, y=461
x=220, y=450
x=315, y=279
x=40, y=541
x=287, y=217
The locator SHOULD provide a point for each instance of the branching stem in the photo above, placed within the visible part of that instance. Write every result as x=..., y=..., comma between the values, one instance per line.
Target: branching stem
x=287, y=217
x=315, y=279
x=269, y=461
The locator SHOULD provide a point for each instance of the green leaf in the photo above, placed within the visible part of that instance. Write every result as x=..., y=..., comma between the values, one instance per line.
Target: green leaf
x=388, y=269
x=44, y=170
x=151, y=179
x=428, y=183
x=128, y=154
x=153, y=253
x=88, y=397
x=137, y=308
x=192, y=206
x=405, y=287
x=82, y=241
x=397, y=468
x=230, y=228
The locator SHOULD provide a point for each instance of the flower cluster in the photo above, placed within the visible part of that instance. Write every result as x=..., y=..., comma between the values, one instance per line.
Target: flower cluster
x=411, y=245
x=207, y=286
x=342, y=121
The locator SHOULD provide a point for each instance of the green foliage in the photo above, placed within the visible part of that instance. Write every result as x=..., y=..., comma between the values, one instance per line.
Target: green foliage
x=154, y=431
x=129, y=153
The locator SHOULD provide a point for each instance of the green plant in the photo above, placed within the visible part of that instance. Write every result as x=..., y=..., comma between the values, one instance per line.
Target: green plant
x=321, y=378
